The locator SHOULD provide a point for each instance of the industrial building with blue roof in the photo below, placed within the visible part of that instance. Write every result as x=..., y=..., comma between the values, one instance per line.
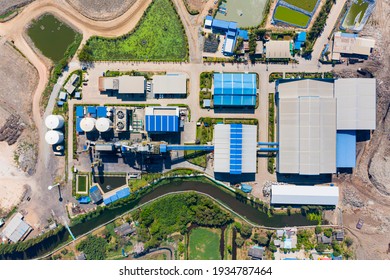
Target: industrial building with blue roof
x=162, y=119
x=234, y=89
x=235, y=148
x=123, y=193
x=231, y=31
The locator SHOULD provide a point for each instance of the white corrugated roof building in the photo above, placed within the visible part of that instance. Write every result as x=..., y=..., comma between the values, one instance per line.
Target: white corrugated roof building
x=356, y=103
x=304, y=195
x=307, y=128
x=309, y=115
x=170, y=84
x=278, y=49
x=16, y=229
x=345, y=43
x=235, y=148
x=123, y=84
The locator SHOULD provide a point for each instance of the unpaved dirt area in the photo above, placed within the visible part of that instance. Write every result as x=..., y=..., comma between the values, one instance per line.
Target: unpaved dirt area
x=197, y=5
x=7, y=5
x=18, y=82
x=366, y=193
x=102, y=9
x=13, y=182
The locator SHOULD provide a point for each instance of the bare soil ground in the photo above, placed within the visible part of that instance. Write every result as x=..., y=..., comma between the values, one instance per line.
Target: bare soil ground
x=102, y=9
x=7, y=5
x=19, y=80
x=366, y=193
x=197, y=5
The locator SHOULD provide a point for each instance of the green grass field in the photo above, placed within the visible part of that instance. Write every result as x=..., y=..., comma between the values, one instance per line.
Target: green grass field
x=307, y=5
x=82, y=183
x=204, y=244
x=160, y=36
x=290, y=16
x=356, y=8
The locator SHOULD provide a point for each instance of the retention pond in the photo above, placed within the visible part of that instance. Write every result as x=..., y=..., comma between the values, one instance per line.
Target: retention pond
x=51, y=36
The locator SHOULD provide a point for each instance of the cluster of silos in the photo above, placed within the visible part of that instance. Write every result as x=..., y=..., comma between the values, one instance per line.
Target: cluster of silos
x=54, y=123
x=89, y=124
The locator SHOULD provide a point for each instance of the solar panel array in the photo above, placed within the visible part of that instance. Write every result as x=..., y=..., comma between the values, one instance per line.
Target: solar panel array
x=235, y=89
x=155, y=123
x=235, y=149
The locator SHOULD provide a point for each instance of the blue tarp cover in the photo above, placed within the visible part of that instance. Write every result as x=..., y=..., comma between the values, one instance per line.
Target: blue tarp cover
x=84, y=200
x=246, y=188
x=243, y=34
x=301, y=37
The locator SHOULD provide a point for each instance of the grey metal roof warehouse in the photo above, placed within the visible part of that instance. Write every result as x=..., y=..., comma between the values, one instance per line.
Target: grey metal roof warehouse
x=170, y=84
x=307, y=128
x=304, y=195
x=123, y=84
x=356, y=103
x=16, y=228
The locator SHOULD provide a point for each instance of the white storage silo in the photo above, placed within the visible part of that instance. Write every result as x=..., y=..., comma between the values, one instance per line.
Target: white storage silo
x=54, y=122
x=87, y=124
x=103, y=124
x=54, y=137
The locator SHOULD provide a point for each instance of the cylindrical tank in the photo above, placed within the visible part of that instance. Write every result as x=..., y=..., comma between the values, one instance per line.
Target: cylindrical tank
x=103, y=124
x=87, y=124
x=54, y=137
x=54, y=122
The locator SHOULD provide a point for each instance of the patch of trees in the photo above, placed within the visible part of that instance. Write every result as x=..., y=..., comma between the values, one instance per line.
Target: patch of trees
x=32, y=248
x=318, y=27
x=93, y=247
x=173, y=213
x=245, y=230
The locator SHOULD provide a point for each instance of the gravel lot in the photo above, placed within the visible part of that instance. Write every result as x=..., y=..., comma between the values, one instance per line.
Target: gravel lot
x=102, y=9
x=6, y=5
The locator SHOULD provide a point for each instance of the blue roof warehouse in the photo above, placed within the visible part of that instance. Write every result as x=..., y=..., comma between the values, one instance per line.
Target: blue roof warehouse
x=235, y=89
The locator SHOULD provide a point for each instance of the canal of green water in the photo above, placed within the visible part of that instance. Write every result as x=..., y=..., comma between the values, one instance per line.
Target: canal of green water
x=51, y=36
x=168, y=186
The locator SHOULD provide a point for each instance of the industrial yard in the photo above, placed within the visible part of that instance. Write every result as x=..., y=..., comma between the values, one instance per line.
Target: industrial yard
x=286, y=118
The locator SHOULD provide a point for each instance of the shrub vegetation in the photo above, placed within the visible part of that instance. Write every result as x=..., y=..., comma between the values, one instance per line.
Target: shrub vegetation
x=159, y=36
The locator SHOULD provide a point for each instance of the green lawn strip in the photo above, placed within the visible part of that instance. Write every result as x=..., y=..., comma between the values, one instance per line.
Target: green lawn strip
x=271, y=131
x=204, y=244
x=82, y=184
x=290, y=16
x=7, y=14
x=159, y=36
x=307, y=5
x=198, y=158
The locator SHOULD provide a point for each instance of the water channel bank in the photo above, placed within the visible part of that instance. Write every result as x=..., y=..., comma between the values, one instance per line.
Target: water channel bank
x=165, y=187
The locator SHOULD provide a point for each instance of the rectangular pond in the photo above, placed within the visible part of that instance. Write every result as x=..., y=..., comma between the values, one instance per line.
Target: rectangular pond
x=51, y=36
x=355, y=13
x=110, y=182
x=246, y=13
